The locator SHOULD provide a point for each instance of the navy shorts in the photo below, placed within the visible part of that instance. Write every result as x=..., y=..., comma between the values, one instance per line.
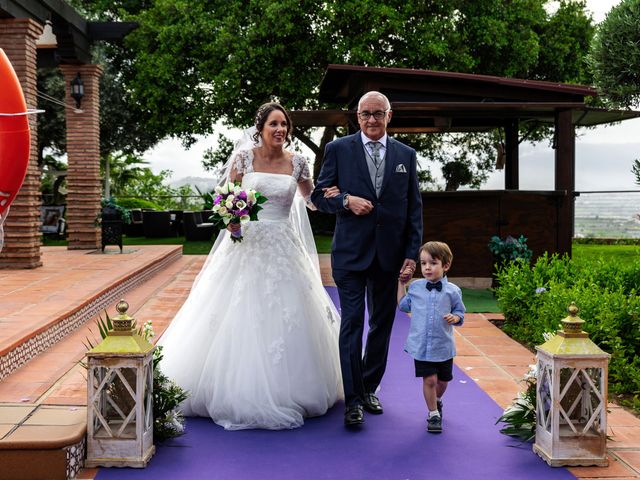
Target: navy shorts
x=444, y=370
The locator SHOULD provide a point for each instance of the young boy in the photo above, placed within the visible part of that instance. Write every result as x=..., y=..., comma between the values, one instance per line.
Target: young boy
x=435, y=305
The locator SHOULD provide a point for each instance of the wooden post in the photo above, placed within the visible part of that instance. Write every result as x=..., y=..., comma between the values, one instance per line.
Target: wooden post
x=511, y=167
x=565, y=178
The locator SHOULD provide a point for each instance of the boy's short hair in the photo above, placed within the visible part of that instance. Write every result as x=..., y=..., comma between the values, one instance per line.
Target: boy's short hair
x=439, y=251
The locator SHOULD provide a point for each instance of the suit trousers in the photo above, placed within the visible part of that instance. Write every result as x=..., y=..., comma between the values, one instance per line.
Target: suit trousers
x=361, y=375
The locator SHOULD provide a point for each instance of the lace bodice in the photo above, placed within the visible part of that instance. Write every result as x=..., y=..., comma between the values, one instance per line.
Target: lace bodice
x=279, y=189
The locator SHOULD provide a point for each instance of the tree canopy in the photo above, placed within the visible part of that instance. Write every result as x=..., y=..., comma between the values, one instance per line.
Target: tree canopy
x=615, y=57
x=192, y=63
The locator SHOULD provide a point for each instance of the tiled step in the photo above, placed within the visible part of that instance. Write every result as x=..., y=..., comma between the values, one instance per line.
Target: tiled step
x=43, y=306
x=43, y=402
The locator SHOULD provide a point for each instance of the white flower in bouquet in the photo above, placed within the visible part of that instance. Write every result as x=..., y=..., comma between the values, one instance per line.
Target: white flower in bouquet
x=234, y=205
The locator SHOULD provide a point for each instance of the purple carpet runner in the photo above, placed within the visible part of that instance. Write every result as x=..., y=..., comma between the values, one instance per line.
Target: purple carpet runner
x=394, y=445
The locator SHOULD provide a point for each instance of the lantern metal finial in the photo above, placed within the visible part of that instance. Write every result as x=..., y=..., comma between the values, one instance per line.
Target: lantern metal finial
x=572, y=323
x=123, y=339
x=123, y=323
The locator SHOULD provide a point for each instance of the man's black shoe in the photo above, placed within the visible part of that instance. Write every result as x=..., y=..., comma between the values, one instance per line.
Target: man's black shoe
x=372, y=404
x=354, y=416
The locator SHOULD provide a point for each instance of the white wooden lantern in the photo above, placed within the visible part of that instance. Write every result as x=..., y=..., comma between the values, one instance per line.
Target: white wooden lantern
x=120, y=397
x=571, y=397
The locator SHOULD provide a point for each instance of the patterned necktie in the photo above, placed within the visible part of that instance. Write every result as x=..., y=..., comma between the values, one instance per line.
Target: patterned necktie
x=375, y=153
x=437, y=286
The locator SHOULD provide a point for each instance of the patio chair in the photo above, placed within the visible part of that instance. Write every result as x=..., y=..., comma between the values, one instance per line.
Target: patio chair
x=177, y=226
x=195, y=229
x=157, y=224
x=134, y=229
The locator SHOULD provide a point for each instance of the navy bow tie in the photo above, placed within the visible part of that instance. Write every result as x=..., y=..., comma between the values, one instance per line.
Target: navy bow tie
x=437, y=286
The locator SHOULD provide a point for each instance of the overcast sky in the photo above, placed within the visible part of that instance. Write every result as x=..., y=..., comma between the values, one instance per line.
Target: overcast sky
x=604, y=155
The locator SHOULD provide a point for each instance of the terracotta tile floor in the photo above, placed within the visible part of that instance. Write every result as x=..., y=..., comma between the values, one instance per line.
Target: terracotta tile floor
x=485, y=353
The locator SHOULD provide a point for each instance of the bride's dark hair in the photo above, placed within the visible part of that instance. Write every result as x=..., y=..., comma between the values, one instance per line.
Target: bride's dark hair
x=261, y=118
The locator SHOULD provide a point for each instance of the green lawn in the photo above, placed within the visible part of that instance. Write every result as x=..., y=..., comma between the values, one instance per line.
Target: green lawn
x=479, y=301
x=323, y=243
x=188, y=248
x=476, y=301
x=610, y=252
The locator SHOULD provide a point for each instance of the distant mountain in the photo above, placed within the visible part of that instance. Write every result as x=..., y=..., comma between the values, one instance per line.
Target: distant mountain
x=204, y=184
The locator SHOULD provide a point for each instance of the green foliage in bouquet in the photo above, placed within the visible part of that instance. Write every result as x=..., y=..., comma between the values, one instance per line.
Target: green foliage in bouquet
x=168, y=421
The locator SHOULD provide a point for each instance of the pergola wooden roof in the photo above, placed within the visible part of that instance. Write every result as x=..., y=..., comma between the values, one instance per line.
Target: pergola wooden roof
x=434, y=101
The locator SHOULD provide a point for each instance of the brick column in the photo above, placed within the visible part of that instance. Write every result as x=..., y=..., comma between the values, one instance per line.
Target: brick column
x=83, y=150
x=22, y=226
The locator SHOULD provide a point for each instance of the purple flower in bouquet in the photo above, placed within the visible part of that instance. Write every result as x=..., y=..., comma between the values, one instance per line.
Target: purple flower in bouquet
x=234, y=205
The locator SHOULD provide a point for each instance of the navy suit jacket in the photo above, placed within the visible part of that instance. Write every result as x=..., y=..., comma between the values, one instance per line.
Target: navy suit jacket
x=392, y=231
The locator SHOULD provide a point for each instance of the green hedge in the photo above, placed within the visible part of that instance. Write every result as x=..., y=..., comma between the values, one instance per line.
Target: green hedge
x=534, y=298
x=132, y=203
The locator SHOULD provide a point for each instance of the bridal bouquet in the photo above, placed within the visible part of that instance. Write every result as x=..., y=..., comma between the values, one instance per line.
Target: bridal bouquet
x=234, y=205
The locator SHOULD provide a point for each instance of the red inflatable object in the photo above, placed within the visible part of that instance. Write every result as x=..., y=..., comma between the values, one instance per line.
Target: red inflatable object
x=15, y=139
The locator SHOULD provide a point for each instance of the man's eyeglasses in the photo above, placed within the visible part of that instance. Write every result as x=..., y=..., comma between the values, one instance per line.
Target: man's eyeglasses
x=378, y=115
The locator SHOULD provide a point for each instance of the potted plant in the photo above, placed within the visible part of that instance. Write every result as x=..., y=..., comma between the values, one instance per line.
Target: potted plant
x=508, y=250
x=112, y=218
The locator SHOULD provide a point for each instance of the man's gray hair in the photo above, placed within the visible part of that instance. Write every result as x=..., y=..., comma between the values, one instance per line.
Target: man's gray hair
x=373, y=93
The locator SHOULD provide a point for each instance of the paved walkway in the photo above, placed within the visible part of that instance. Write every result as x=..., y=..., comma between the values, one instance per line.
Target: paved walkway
x=485, y=353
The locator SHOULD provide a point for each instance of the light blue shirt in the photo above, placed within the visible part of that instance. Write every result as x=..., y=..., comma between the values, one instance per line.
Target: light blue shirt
x=430, y=336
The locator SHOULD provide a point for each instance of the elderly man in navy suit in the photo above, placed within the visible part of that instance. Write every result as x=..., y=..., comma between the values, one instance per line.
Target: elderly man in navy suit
x=377, y=237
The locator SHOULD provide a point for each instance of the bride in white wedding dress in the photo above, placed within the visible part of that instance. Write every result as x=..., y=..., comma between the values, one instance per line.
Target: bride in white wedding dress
x=256, y=342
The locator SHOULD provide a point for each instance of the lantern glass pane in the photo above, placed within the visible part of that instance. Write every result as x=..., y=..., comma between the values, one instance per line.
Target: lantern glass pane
x=148, y=397
x=580, y=401
x=543, y=396
x=115, y=402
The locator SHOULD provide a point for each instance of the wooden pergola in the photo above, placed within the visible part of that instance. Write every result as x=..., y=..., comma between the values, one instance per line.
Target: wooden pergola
x=65, y=42
x=427, y=101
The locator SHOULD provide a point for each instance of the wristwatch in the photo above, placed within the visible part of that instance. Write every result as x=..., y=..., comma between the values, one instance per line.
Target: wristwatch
x=345, y=201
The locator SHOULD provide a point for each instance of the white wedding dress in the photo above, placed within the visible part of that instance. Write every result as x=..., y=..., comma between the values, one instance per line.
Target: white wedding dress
x=256, y=342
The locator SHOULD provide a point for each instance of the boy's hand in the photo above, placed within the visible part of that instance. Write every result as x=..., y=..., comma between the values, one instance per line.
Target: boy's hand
x=406, y=272
x=451, y=318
